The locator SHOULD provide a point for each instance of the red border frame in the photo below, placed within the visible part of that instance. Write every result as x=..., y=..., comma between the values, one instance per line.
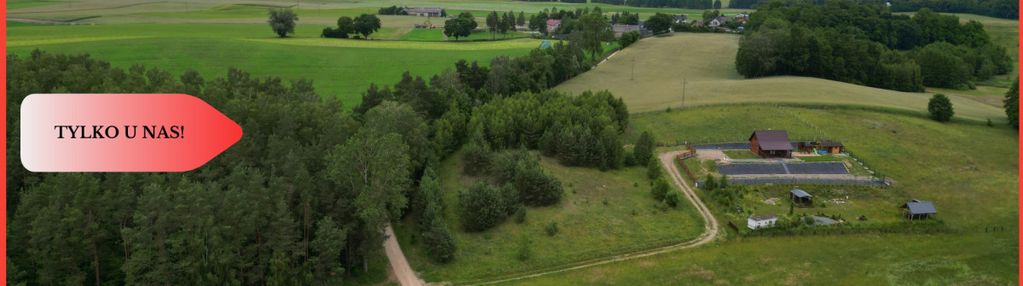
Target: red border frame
x=3, y=155
x=3, y=143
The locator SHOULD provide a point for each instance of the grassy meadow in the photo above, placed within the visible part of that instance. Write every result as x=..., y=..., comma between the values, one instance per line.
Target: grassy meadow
x=967, y=169
x=600, y=214
x=337, y=67
x=649, y=76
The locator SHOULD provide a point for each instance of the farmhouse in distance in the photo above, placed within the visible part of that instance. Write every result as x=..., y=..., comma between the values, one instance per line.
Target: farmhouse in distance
x=771, y=144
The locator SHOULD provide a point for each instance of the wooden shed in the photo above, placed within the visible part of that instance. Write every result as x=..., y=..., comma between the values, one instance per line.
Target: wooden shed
x=771, y=144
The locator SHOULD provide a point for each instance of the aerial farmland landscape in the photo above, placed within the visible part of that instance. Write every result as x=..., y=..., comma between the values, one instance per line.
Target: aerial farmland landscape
x=503, y=142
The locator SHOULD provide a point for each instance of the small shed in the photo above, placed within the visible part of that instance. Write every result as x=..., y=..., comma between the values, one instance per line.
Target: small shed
x=680, y=19
x=829, y=146
x=801, y=197
x=761, y=221
x=424, y=11
x=620, y=29
x=917, y=209
x=771, y=144
x=717, y=21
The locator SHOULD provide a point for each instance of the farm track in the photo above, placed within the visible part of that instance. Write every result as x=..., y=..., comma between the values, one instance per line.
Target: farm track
x=711, y=232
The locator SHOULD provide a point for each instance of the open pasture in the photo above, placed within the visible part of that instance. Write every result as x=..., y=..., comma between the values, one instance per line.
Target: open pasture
x=650, y=75
x=600, y=214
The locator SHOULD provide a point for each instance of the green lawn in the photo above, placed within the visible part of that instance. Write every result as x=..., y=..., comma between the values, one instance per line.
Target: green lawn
x=969, y=170
x=822, y=158
x=588, y=227
x=437, y=34
x=878, y=206
x=338, y=67
x=740, y=154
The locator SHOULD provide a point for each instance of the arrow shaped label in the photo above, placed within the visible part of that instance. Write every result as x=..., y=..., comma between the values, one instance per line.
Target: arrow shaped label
x=121, y=132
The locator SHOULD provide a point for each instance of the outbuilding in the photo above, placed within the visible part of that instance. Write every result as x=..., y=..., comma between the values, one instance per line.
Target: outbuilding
x=424, y=11
x=801, y=197
x=771, y=144
x=761, y=221
x=917, y=209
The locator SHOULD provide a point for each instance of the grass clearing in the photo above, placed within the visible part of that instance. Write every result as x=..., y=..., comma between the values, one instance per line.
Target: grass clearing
x=588, y=227
x=740, y=154
x=343, y=68
x=437, y=35
x=959, y=166
x=707, y=63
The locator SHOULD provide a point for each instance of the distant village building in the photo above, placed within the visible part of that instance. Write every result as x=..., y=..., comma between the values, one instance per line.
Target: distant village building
x=761, y=221
x=917, y=209
x=821, y=146
x=717, y=22
x=553, y=24
x=771, y=144
x=620, y=29
x=741, y=17
x=424, y=11
x=679, y=19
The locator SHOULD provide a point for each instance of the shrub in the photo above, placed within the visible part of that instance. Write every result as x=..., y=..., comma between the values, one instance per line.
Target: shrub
x=710, y=183
x=628, y=38
x=524, y=251
x=723, y=183
x=520, y=215
x=482, y=207
x=940, y=108
x=440, y=246
x=644, y=150
x=672, y=199
x=522, y=169
x=551, y=229
x=653, y=169
x=1011, y=103
x=476, y=160
x=660, y=189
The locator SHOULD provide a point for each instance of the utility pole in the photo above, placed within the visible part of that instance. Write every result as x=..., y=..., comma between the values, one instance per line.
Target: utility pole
x=683, y=92
x=633, y=68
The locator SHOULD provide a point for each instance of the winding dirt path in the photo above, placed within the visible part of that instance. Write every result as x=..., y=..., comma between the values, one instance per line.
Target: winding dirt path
x=710, y=233
x=399, y=265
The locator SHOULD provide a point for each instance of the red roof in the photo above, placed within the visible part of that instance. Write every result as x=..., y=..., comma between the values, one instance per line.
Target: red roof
x=772, y=140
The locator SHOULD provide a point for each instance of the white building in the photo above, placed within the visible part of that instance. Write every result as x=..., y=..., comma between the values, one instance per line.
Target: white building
x=761, y=221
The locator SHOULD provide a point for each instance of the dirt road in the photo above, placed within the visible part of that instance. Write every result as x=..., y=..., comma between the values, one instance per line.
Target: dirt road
x=711, y=230
x=399, y=265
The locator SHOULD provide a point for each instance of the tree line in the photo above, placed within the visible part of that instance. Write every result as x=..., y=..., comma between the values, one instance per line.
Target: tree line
x=363, y=25
x=283, y=206
x=1008, y=9
x=866, y=44
x=687, y=4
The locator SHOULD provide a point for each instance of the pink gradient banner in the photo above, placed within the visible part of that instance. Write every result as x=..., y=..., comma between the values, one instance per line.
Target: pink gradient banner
x=121, y=132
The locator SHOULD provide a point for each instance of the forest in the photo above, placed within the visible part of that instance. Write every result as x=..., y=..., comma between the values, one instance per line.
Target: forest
x=868, y=45
x=688, y=4
x=287, y=205
x=1008, y=9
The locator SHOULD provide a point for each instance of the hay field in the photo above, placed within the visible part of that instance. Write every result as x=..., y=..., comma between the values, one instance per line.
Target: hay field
x=649, y=76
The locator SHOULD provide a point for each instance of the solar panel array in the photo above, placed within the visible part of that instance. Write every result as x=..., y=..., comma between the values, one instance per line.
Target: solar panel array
x=823, y=168
x=752, y=169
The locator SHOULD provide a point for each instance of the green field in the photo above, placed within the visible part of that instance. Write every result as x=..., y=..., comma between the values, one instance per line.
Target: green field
x=649, y=75
x=436, y=35
x=600, y=214
x=120, y=11
x=968, y=170
x=337, y=67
